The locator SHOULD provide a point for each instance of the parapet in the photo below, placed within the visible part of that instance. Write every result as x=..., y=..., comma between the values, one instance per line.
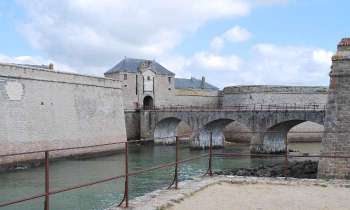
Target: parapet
x=17, y=71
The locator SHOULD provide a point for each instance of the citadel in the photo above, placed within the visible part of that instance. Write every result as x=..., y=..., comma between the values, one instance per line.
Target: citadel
x=42, y=108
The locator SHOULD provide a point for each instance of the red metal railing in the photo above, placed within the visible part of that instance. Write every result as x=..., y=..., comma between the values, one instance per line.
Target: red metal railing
x=210, y=155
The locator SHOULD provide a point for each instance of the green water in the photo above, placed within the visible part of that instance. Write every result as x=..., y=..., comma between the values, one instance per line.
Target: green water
x=23, y=183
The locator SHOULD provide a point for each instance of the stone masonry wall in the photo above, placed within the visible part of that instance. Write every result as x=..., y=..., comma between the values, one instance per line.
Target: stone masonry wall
x=189, y=97
x=336, y=139
x=132, y=123
x=262, y=94
x=43, y=109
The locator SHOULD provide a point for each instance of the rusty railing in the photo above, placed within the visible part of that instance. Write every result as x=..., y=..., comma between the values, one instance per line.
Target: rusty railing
x=125, y=200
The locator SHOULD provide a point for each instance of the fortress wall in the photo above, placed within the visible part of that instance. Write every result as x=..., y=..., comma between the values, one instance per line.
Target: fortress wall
x=189, y=97
x=132, y=123
x=42, y=109
x=235, y=95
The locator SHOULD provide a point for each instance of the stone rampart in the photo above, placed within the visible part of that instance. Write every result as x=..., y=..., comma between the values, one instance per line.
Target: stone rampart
x=190, y=97
x=43, y=109
x=265, y=94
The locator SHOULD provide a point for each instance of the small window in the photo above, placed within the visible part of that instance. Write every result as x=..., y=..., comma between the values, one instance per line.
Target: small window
x=125, y=76
x=169, y=80
x=148, y=78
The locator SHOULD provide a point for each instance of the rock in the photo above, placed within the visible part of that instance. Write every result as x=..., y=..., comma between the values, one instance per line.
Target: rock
x=297, y=169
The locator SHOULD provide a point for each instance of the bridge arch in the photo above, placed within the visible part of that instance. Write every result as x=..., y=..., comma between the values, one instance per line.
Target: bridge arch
x=165, y=131
x=275, y=137
x=217, y=126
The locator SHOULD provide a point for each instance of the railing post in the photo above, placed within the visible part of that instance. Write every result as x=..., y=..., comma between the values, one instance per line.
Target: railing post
x=210, y=171
x=175, y=180
x=286, y=163
x=126, y=175
x=126, y=183
x=47, y=182
x=177, y=160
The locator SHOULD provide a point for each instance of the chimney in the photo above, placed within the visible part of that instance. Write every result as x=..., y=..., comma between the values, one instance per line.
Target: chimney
x=203, y=82
x=50, y=67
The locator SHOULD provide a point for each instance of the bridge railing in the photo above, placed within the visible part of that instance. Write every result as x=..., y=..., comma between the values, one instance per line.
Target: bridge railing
x=210, y=155
x=243, y=107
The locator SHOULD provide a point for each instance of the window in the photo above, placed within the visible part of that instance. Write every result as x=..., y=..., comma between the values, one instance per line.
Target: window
x=125, y=76
x=148, y=78
x=169, y=80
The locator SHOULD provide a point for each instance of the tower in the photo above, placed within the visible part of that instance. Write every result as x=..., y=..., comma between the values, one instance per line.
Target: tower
x=336, y=138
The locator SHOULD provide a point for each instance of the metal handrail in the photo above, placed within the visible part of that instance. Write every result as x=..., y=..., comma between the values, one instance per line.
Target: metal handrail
x=210, y=155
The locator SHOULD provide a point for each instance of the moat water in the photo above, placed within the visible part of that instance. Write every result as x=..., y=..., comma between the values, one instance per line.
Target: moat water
x=24, y=183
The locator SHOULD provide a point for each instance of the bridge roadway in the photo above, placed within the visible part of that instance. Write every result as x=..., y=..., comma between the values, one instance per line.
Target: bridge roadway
x=269, y=123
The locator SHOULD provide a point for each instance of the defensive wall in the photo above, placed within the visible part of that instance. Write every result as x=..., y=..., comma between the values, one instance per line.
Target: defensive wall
x=267, y=94
x=190, y=97
x=42, y=109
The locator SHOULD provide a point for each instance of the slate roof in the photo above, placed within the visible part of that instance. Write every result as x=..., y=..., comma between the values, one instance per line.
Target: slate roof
x=193, y=83
x=131, y=65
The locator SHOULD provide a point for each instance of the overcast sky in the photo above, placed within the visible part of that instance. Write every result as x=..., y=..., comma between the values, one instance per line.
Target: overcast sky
x=231, y=42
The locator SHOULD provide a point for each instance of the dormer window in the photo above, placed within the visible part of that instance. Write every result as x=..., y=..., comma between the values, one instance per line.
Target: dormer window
x=125, y=76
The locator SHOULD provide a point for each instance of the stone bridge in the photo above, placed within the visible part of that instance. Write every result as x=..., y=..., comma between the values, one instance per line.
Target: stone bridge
x=269, y=124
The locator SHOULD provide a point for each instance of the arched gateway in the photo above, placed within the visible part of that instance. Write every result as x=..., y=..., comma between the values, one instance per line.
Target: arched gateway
x=148, y=102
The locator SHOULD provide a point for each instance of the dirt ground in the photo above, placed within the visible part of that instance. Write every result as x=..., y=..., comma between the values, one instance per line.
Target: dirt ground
x=226, y=196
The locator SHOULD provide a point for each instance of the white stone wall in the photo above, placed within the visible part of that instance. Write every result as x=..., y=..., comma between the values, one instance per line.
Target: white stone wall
x=274, y=95
x=190, y=97
x=129, y=88
x=42, y=109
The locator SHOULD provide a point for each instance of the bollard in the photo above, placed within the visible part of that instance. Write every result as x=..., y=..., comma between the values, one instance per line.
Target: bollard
x=47, y=182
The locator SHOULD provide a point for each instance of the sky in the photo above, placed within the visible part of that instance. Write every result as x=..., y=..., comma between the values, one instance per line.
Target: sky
x=230, y=42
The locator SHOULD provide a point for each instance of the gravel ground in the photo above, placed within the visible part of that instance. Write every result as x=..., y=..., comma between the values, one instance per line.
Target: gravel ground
x=228, y=196
x=247, y=193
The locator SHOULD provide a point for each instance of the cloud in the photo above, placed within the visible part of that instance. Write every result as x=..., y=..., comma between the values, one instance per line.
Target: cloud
x=293, y=65
x=268, y=64
x=237, y=34
x=93, y=34
x=322, y=56
x=214, y=62
x=217, y=43
x=35, y=60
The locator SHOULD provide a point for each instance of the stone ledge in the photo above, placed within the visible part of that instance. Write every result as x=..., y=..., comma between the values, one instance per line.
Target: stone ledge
x=161, y=199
